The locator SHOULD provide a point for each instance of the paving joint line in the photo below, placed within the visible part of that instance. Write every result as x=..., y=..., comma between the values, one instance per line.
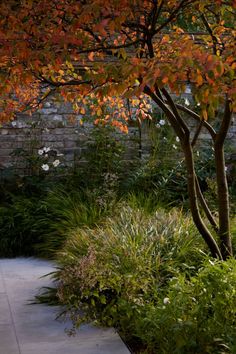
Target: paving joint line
x=11, y=314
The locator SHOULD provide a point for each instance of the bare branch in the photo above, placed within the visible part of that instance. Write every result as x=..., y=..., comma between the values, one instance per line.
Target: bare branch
x=170, y=115
x=175, y=111
x=209, y=30
x=196, y=116
x=181, y=6
x=198, y=131
x=205, y=206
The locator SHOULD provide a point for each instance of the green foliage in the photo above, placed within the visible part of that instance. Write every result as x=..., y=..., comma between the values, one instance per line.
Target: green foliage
x=19, y=230
x=127, y=260
x=163, y=172
x=65, y=212
x=36, y=213
x=146, y=273
x=195, y=315
x=38, y=223
x=103, y=155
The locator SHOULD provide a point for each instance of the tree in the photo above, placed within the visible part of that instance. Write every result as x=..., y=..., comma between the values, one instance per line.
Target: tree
x=129, y=49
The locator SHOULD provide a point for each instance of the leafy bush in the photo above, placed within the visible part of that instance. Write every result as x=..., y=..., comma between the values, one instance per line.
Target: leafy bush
x=197, y=315
x=127, y=260
x=148, y=276
x=103, y=156
x=163, y=170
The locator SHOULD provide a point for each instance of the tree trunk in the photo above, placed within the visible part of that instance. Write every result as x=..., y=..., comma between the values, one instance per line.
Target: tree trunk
x=223, y=203
x=222, y=185
x=192, y=192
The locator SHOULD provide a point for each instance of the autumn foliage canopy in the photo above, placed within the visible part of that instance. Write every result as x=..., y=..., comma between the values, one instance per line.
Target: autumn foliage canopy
x=101, y=53
x=115, y=49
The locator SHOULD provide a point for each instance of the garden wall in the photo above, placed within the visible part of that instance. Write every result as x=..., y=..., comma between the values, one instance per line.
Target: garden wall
x=58, y=127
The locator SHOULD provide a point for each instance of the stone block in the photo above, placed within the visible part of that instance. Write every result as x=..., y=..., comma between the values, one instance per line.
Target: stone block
x=71, y=137
x=56, y=144
x=70, y=143
x=4, y=131
x=5, y=152
x=7, y=138
x=48, y=104
x=72, y=151
x=12, y=145
x=57, y=117
x=47, y=110
x=49, y=138
x=65, y=108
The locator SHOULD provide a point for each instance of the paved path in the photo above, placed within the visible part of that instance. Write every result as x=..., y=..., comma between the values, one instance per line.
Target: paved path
x=32, y=329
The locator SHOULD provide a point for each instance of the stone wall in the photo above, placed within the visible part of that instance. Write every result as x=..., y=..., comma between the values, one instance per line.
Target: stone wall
x=57, y=127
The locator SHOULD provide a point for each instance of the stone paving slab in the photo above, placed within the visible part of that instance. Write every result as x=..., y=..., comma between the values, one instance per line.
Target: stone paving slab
x=32, y=329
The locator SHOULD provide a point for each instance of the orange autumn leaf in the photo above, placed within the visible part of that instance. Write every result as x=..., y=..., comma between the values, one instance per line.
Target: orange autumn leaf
x=199, y=80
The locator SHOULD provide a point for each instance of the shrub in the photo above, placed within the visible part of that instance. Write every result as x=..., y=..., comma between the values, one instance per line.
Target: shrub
x=125, y=261
x=197, y=315
x=148, y=276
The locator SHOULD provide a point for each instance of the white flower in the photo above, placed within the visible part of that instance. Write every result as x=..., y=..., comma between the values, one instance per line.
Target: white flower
x=40, y=152
x=166, y=301
x=56, y=163
x=198, y=104
x=174, y=146
x=162, y=122
x=198, y=153
x=45, y=167
x=158, y=125
x=46, y=149
x=177, y=139
x=186, y=102
x=14, y=123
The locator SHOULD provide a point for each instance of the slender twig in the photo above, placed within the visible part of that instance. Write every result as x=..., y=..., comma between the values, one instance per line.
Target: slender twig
x=209, y=30
x=181, y=6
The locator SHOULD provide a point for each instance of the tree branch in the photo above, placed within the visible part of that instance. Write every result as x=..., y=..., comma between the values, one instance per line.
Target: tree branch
x=205, y=206
x=182, y=5
x=196, y=116
x=170, y=115
x=198, y=131
x=209, y=30
x=175, y=111
x=225, y=124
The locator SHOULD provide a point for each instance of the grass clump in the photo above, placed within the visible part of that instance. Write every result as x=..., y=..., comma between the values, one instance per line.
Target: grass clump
x=65, y=212
x=30, y=225
x=18, y=227
x=109, y=273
